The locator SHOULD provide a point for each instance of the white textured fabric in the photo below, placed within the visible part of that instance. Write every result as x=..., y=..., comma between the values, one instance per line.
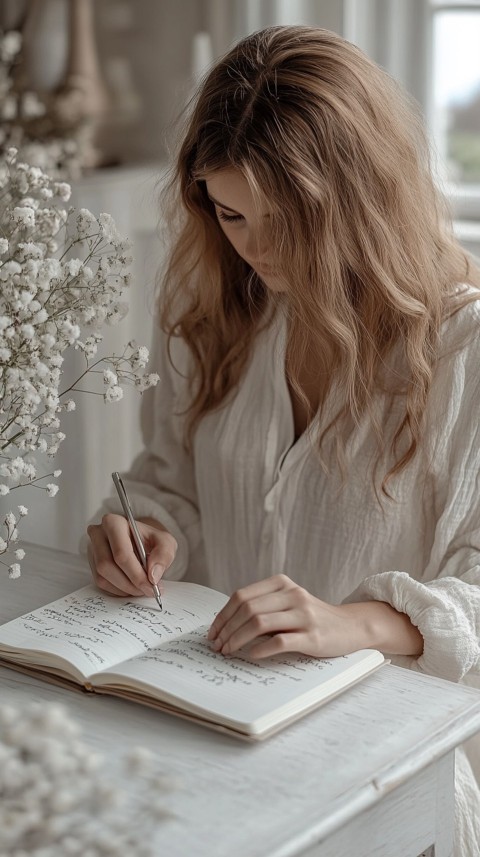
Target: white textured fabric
x=251, y=502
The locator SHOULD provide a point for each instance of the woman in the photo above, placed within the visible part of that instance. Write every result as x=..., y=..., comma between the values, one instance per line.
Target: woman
x=312, y=447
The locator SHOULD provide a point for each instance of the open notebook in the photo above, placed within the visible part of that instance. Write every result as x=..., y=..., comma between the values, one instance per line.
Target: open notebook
x=128, y=647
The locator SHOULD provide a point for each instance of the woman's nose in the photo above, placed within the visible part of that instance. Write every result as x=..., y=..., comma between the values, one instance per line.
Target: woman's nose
x=256, y=248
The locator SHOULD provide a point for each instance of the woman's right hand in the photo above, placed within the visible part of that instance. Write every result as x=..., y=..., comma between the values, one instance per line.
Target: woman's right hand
x=115, y=566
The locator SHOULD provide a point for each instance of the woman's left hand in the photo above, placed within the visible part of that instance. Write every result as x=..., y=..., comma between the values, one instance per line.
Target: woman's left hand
x=295, y=620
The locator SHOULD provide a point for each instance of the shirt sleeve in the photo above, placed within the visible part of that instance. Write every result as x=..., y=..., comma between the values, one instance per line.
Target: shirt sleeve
x=161, y=481
x=445, y=603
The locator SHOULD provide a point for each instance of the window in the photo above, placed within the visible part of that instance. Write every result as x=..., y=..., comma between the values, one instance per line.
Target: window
x=454, y=109
x=455, y=88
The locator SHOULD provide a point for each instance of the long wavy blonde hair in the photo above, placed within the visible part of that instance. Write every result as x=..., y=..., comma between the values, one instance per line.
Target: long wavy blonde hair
x=335, y=152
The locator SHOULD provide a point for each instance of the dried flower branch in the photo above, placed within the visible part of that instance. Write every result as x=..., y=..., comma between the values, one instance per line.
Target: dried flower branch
x=47, y=302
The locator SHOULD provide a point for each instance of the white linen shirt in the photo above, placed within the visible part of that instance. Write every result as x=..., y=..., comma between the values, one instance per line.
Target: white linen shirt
x=250, y=502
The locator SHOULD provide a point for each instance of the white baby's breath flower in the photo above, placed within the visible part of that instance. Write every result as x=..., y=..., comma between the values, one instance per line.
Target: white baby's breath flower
x=118, y=313
x=51, y=489
x=110, y=378
x=146, y=381
x=10, y=45
x=3, y=246
x=29, y=471
x=89, y=347
x=113, y=394
x=73, y=266
x=14, y=571
x=23, y=216
x=16, y=467
x=3, y=545
x=4, y=490
x=20, y=553
x=57, y=473
x=139, y=358
x=25, y=298
x=48, y=341
x=22, y=511
x=40, y=317
x=32, y=106
x=9, y=108
x=63, y=190
x=86, y=223
x=27, y=331
x=51, y=269
x=9, y=269
x=70, y=405
x=108, y=228
x=30, y=250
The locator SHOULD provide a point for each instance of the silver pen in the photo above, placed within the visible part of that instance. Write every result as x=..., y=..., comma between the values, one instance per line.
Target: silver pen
x=122, y=494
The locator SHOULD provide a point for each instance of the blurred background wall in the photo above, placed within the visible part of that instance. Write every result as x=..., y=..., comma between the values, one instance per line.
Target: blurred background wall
x=144, y=58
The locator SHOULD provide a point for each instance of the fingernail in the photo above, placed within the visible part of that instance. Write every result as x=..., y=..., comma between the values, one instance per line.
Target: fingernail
x=157, y=572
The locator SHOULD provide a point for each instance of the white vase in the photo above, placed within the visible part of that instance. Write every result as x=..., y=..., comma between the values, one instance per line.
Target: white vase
x=45, y=44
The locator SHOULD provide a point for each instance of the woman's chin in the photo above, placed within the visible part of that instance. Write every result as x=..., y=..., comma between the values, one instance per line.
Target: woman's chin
x=271, y=282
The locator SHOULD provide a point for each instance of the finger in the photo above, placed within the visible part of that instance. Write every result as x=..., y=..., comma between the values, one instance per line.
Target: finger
x=104, y=567
x=241, y=596
x=269, y=603
x=117, y=531
x=106, y=586
x=280, y=644
x=161, y=549
x=264, y=623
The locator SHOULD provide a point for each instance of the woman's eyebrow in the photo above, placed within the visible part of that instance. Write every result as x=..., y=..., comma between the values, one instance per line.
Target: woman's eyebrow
x=220, y=204
x=226, y=207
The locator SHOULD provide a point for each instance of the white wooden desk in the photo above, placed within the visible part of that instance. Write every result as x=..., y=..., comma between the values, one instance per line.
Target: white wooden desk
x=368, y=775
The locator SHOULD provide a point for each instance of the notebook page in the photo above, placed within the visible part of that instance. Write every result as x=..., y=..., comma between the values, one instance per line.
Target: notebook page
x=93, y=631
x=236, y=688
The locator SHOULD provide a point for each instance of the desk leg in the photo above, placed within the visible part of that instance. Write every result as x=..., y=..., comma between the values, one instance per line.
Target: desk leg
x=414, y=819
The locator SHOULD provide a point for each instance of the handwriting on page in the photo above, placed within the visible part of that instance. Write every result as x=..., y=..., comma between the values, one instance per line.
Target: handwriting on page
x=191, y=653
x=104, y=630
